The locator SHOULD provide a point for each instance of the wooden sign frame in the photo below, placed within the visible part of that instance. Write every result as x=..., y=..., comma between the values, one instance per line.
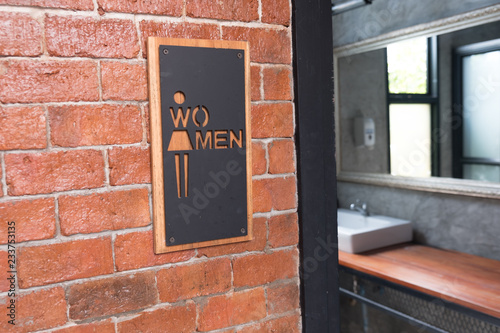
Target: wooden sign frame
x=157, y=167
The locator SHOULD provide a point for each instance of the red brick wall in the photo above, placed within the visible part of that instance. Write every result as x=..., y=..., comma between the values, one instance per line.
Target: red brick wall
x=75, y=177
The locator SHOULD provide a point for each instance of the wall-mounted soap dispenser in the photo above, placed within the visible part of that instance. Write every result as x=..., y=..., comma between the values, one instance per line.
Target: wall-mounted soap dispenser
x=364, y=132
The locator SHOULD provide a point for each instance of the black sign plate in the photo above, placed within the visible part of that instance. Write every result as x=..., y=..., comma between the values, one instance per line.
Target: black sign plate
x=204, y=143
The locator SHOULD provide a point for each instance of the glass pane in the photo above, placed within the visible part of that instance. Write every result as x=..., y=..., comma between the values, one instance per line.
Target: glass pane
x=407, y=66
x=481, y=101
x=489, y=173
x=410, y=135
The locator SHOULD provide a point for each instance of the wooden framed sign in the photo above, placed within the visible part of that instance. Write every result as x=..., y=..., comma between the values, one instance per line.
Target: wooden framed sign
x=199, y=92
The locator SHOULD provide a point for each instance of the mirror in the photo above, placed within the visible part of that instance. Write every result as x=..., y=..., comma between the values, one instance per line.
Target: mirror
x=420, y=108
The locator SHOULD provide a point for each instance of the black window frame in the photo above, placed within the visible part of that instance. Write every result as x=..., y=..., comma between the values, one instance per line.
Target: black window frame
x=459, y=53
x=431, y=97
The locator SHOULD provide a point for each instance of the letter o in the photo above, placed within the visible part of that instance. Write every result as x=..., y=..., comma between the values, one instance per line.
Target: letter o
x=205, y=111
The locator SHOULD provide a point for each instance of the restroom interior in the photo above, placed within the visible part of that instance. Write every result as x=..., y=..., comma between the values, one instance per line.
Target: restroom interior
x=466, y=221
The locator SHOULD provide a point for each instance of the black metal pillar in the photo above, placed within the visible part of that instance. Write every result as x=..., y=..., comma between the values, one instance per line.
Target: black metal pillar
x=313, y=65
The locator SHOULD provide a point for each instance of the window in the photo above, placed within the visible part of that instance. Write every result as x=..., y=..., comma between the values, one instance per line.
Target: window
x=412, y=107
x=407, y=67
x=476, y=141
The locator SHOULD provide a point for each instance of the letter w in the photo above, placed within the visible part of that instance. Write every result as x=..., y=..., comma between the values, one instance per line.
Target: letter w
x=180, y=116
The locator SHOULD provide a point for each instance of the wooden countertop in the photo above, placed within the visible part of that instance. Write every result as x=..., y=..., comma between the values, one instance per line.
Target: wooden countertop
x=464, y=279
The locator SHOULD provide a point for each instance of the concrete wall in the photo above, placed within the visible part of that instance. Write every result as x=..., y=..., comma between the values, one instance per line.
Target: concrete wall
x=459, y=223
x=75, y=174
x=384, y=16
x=363, y=89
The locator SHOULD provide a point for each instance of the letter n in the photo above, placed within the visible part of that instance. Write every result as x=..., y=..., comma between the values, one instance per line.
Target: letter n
x=234, y=139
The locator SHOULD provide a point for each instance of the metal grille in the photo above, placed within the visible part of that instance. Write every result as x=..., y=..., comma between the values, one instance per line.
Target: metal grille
x=433, y=311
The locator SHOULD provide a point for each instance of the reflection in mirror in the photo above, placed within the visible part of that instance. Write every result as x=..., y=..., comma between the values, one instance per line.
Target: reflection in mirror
x=406, y=140
x=435, y=102
x=478, y=71
x=412, y=99
x=407, y=66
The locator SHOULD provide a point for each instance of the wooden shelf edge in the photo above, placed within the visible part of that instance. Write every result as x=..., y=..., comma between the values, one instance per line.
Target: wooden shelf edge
x=389, y=264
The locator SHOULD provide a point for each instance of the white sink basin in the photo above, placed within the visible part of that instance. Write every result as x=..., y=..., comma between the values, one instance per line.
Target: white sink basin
x=358, y=233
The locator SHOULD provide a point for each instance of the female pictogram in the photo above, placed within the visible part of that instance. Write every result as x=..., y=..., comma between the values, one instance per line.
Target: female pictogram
x=180, y=141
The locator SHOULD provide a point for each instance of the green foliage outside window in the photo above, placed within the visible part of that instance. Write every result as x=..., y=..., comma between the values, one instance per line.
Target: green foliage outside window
x=407, y=66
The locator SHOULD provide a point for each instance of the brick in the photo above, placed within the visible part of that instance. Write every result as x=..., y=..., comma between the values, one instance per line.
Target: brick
x=22, y=128
x=172, y=319
x=281, y=157
x=4, y=268
x=262, y=196
x=67, y=4
x=45, y=264
x=283, y=298
x=259, y=269
x=114, y=295
x=86, y=125
x=32, y=81
x=276, y=11
x=124, y=82
x=194, y=280
x=34, y=219
x=129, y=165
x=255, y=83
x=104, y=211
x=267, y=45
x=37, y=310
x=272, y=120
x=274, y=193
x=243, y=10
x=257, y=244
x=283, y=230
x=1, y=187
x=177, y=30
x=233, y=309
x=165, y=7
x=105, y=326
x=21, y=35
x=34, y=173
x=290, y=324
x=135, y=250
x=69, y=36
x=277, y=83
x=259, y=161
